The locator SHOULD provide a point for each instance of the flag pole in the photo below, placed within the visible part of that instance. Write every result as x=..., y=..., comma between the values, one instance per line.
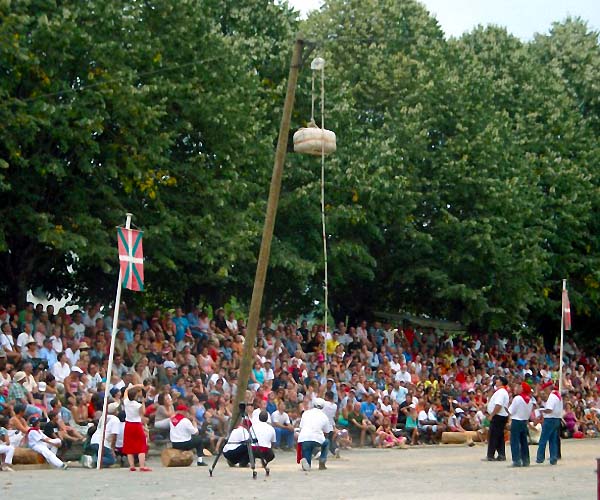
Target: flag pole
x=111, y=356
x=562, y=336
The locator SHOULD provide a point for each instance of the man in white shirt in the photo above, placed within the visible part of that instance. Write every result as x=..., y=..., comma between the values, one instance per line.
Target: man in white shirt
x=113, y=427
x=265, y=436
x=520, y=411
x=314, y=425
x=498, y=413
x=44, y=445
x=552, y=411
x=73, y=353
x=235, y=450
x=284, y=431
x=256, y=412
x=61, y=369
x=184, y=435
x=403, y=375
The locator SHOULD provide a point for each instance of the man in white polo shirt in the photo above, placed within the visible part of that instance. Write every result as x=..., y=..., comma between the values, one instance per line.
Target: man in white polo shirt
x=552, y=412
x=497, y=410
x=520, y=411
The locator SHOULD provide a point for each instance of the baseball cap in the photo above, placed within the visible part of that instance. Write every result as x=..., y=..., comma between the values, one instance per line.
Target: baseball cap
x=169, y=364
x=319, y=403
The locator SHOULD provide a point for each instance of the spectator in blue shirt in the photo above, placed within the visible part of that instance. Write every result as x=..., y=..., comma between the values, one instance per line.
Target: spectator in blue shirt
x=181, y=324
x=48, y=354
x=367, y=407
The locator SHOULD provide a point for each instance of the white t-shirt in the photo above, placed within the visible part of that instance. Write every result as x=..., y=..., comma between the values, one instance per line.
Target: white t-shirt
x=22, y=339
x=313, y=426
x=422, y=417
x=7, y=342
x=402, y=377
x=255, y=415
x=555, y=404
x=113, y=427
x=265, y=434
x=519, y=410
x=132, y=410
x=121, y=435
x=79, y=330
x=61, y=371
x=73, y=357
x=182, y=432
x=280, y=418
x=238, y=437
x=330, y=409
x=500, y=397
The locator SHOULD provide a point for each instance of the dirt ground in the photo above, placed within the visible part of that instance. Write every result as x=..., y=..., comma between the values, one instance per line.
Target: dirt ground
x=435, y=472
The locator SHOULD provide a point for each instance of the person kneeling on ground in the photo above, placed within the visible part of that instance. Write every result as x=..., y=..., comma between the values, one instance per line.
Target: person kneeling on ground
x=314, y=425
x=184, y=435
x=265, y=436
x=113, y=427
x=44, y=445
x=6, y=449
x=235, y=450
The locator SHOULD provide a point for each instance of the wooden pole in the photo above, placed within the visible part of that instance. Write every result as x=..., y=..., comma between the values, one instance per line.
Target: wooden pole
x=111, y=356
x=265, y=247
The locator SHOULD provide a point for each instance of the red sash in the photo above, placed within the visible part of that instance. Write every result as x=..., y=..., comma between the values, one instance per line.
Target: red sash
x=175, y=419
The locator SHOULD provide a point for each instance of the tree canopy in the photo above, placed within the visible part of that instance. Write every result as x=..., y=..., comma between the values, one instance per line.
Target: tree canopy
x=465, y=186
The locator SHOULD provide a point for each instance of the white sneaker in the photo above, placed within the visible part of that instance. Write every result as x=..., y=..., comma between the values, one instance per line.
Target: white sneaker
x=305, y=465
x=65, y=465
x=7, y=468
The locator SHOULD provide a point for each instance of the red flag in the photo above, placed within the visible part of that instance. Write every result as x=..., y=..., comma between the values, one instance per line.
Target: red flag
x=566, y=310
x=131, y=257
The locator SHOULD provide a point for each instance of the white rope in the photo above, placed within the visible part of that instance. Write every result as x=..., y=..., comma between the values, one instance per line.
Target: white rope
x=326, y=281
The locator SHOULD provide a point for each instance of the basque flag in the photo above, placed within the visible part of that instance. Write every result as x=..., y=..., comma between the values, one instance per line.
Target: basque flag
x=131, y=258
x=566, y=309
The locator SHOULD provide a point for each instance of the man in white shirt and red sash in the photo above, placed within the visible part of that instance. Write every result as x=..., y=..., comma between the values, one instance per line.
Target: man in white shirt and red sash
x=552, y=412
x=497, y=409
x=184, y=435
x=520, y=411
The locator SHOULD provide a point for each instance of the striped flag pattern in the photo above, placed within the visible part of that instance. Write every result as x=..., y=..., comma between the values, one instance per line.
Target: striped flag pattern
x=131, y=258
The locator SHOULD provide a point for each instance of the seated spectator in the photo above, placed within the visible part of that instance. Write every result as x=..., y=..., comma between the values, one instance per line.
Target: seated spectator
x=44, y=445
x=183, y=434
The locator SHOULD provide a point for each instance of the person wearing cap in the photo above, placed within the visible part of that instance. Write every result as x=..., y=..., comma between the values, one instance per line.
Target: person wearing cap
x=520, y=411
x=552, y=412
x=42, y=444
x=113, y=427
x=498, y=413
x=48, y=354
x=6, y=448
x=314, y=426
x=17, y=392
x=184, y=435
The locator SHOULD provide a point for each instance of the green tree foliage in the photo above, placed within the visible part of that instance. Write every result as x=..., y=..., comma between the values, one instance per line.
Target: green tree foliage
x=465, y=184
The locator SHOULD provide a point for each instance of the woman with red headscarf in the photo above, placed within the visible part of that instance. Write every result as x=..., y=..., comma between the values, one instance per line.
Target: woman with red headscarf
x=520, y=411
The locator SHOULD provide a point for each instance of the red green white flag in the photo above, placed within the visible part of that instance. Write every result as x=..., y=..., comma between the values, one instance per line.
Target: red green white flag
x=131, y=258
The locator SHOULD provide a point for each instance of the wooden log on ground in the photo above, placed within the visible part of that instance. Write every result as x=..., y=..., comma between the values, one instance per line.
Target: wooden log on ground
x=25, y=456
x=170, y=457
x=460, y=437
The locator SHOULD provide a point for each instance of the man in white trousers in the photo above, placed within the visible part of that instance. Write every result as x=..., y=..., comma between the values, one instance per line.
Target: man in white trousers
x=44, y=445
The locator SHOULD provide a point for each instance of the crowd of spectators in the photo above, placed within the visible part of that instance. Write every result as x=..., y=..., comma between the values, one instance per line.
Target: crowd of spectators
x=392, y=386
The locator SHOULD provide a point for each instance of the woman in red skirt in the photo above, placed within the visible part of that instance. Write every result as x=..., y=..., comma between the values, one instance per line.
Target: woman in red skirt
x=134, y=437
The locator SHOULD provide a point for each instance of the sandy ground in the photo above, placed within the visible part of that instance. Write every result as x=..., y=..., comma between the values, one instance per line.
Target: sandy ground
x=435, y=472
